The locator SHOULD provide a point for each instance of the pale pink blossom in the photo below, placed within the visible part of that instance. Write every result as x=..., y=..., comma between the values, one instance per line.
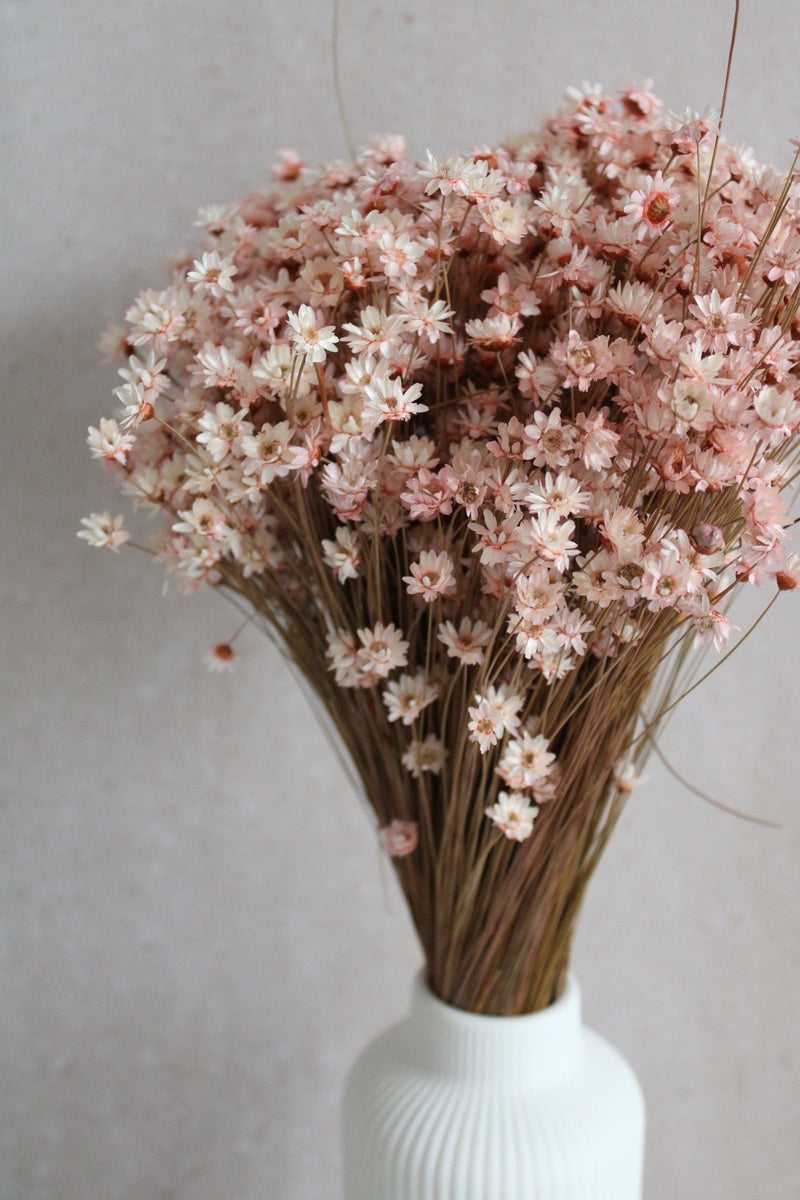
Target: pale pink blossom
x=220, y=368
x=597, y=442
x=778, y=409
x=407, y=696
x=549, y=537
x=537, y=595
x=505, y=220
x=564, y=496
x=652, y=205
x=342, y=554
x=221, y=429
x=513, y=815
x=526, y=761
x=513, y=301
x=497, y=540
x=109, y=442
x=547, y=441
x=378, y=331
x=382, y=648
x=213, y=274
x=158, y=318
x=427, y=496
x=423, y=317
x=399, y=253
x=431, y=576
x=103, y=530
x=720, y=325
x=136, y=407
x=493, y=333
x=467, y=478
x=623, y=531
x=267, y=454
x=467, y=641
x=494, y=713
x=711, y=625
x=388, y=400
x=220, y=658
x=206, y=519
x=342, y=655
x=312, y=340
x=458, y=175
x=424, y=756
x=399, y=838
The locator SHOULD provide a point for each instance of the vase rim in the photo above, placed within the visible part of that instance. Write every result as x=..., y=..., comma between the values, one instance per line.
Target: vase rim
x=569, y=999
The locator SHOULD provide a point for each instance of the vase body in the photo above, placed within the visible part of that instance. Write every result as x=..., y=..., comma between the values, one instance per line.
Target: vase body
x=451, y=1105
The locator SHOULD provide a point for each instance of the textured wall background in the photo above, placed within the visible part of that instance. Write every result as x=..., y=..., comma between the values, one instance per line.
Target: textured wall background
x=198, y=932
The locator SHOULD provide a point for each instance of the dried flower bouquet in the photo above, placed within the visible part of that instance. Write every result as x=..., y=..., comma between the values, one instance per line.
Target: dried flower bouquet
x=486, y=444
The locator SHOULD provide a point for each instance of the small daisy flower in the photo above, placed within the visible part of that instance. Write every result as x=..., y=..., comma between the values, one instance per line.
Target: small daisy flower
x=342, y=554
x=399, y=254
x=492, y=715
x=709, y=624
x=494, y=333
x=220, y=658
x=109, y=442
x=268, y=454
x=426, y=755
x=221, y=429
x=513, y=815
x=378, y=332
x=454, y=175
x=549, y=538
x=388, y=400
x=626, y=777
x=720, y=325
x=383, y=648
x=431, y=577
x=212, y=274
x=788, y=577
x=103, y=530
x=423, y=317
x=505, y=220
x=406, y=697
x=311, y=340
x=467, y=641
x=652, y=205
x=526, y=761
x=220, y=369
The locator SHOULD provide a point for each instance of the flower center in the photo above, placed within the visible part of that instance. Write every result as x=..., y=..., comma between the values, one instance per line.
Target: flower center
x=658, y=209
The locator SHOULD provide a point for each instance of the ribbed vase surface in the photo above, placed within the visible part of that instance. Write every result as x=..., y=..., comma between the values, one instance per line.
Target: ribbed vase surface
x=450, y=1105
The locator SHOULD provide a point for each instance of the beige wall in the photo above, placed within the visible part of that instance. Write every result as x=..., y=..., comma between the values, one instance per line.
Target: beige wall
x=198, y=933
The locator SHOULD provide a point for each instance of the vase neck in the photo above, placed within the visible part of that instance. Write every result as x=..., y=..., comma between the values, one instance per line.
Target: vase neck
x=497, y=1051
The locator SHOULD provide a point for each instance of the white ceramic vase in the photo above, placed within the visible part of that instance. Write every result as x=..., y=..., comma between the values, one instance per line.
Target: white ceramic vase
x=450, y=1105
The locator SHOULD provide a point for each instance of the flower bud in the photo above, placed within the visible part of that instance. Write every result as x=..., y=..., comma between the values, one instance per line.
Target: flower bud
x=707, y=539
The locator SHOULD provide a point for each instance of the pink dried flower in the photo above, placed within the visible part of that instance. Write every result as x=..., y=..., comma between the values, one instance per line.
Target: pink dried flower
x=652, y=205
x=513, y=815
x=431, y=577
x=467, y=641
x=109, y=442
x=399, y=838
x=220, y=657
x=103, y=530
x=427, y=755
x=213, y=274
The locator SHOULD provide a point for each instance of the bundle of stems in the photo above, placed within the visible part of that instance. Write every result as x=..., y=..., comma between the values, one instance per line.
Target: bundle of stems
x=495, y=918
